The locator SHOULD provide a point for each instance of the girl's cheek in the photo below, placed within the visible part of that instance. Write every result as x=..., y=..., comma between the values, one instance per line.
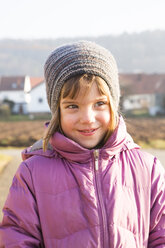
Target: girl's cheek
x=69, y=118
x=106, y=117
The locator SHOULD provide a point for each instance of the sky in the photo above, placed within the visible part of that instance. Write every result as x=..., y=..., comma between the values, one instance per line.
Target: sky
x=52, y=19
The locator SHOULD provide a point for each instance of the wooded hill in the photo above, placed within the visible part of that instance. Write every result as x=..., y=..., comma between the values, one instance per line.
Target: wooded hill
x=136, y=52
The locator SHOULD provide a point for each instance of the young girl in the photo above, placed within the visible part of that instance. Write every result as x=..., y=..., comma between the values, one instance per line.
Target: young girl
x=86, y=184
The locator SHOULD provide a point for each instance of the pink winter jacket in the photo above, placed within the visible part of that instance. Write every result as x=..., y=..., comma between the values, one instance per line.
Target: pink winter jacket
x=72, y=197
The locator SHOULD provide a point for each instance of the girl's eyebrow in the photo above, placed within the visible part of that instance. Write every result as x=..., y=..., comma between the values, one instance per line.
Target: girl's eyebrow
x=71, y=101
x=101, y=97
x=68, y=101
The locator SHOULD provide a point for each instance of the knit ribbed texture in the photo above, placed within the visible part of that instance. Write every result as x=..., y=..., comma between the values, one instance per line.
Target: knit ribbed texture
x=78, y=58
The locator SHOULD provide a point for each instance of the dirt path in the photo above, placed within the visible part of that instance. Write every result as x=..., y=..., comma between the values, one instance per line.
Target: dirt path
x=160, y=154
x=7, y=175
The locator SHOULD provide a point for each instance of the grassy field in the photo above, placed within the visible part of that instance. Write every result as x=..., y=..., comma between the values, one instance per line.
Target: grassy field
x=147, y=132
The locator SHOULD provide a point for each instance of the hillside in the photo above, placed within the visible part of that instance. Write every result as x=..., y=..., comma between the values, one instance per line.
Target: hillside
x=137, y=52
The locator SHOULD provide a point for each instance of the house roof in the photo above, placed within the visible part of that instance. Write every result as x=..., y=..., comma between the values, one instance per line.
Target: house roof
x=16, y=83
x=130, y=83
x=35, y=81
x=142, y=83
x=12, y=83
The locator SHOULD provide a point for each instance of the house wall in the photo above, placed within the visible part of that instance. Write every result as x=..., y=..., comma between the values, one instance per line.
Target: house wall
x=138, y=102
x=38, y=100
x=159, y=107
x=20, y=108
x=19, y=98
x=16, y=96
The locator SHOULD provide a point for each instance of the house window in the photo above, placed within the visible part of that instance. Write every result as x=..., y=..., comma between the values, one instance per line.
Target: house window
x=40, y=100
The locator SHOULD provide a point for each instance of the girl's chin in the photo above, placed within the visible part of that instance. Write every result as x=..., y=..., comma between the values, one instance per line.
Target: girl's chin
x=88, y=145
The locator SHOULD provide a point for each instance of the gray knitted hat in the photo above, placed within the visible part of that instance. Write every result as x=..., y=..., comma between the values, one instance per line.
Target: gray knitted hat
x=78, y=58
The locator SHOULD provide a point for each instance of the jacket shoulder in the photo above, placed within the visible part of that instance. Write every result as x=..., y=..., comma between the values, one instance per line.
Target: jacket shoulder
x=36, y=149
x=38, y=146
x=146, y=160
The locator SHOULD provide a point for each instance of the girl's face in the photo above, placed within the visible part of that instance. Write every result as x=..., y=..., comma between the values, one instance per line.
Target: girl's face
x=86, y=118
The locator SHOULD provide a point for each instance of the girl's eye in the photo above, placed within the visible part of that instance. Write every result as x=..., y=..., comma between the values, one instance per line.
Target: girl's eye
x=72, y=106
x=100, y=103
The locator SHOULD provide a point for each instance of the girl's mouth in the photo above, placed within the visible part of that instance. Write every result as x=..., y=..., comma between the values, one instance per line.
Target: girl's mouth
x=88, y=132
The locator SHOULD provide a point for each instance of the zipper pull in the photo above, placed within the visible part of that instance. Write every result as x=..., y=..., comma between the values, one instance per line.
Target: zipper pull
x=96, y=157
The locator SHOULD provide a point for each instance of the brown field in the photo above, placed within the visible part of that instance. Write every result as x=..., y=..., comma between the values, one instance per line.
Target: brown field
x=24, y=133
x=148, y=132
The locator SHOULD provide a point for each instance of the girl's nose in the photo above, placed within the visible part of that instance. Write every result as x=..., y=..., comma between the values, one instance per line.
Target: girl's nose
x=87, y=116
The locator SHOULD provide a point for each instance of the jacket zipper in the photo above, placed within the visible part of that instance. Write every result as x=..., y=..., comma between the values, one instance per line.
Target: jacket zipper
x=102, y=210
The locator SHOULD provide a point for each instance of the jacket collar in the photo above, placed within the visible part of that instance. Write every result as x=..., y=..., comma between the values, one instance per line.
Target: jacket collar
x=62, y=146
x=120, y=140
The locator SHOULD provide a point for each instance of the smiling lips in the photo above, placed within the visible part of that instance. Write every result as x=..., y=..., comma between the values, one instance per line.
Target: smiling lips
x=88, y=132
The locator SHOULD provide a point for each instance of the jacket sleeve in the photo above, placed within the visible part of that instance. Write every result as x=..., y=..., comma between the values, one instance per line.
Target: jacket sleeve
x=20, y=226
x=157, y=213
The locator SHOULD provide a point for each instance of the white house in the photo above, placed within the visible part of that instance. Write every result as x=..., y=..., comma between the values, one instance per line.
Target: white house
x=28, y=94
x=38, y=100
x=139, y=91
x=16, y=89
x=143, y=91
x=138, y=101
